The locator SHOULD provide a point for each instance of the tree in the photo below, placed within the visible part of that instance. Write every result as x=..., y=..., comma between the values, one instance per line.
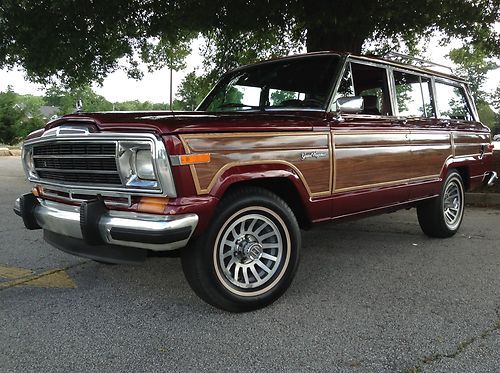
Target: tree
x=77, y=42
x=192, y=90
x=10, y=116
x=66, y=99
x=473, y=64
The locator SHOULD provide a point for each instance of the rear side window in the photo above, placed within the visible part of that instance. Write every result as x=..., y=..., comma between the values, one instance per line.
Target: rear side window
x=413, y=95
x=451, y=102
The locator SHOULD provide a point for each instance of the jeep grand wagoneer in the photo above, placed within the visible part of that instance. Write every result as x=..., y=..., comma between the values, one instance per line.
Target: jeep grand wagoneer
x=275, y=147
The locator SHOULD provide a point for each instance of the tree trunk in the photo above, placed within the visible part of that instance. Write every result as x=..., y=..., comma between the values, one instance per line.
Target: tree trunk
x=333, y=39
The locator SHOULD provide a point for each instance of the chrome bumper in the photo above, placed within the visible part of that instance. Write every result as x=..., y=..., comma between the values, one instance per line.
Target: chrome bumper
x=144, y=231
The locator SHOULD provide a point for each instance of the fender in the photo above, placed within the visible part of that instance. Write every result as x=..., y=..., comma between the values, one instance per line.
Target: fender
x=255, y=171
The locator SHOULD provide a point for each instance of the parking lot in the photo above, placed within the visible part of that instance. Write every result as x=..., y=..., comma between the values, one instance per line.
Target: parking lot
x=373, y=295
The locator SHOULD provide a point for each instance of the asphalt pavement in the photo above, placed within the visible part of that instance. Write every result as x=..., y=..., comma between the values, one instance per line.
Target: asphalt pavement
x=372, y=295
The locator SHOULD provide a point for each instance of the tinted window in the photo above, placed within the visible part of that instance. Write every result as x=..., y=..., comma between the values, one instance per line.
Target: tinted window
x=451, y=102
x=413, y=95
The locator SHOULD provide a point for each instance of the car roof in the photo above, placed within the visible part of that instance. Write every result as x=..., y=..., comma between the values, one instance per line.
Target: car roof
x=366, y=58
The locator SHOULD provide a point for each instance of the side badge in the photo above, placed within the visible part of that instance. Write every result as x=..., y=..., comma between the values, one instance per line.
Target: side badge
x=315, y=155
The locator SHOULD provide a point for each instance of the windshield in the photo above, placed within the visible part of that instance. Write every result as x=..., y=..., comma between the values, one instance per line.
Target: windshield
x=297, y=83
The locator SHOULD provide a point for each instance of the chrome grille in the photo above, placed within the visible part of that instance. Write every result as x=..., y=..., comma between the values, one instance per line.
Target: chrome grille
x=105, y=164
x=77, y=162
x=73, y=148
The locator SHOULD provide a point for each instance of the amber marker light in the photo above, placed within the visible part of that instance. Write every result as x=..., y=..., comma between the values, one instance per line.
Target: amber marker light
x=37, y=191
x=152, y=205
x=194, y=158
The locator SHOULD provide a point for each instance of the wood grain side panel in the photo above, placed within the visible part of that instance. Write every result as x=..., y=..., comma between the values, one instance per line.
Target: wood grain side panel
x=430, y=151
x=357, y=168
x=467, y=144
x=360, y=139
x=232, y=150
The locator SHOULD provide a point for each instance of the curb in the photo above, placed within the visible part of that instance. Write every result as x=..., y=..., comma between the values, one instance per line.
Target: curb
x=6, y=152
x=483, y=199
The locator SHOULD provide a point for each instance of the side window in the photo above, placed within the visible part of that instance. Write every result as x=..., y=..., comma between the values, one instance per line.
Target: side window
x=451, y=102
x=369, y=82
x=413, y=95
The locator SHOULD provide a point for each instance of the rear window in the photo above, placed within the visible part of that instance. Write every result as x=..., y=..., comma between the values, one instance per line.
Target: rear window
x=451, y=102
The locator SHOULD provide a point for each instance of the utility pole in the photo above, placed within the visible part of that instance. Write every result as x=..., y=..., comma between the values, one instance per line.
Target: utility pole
x=171, y=89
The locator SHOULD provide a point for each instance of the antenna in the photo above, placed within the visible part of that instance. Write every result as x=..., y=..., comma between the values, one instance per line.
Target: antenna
x=399, y=57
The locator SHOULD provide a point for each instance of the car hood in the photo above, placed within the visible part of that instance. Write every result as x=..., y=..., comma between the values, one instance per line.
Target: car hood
x=195, y=122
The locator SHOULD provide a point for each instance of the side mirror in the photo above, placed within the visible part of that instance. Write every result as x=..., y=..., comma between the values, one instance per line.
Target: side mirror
x=350, y=104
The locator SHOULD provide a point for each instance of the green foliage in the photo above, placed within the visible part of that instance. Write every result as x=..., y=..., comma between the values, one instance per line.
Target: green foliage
x=78, y=42
x=10, y=117
x=277, y=97
x=66, y=99
x=20, y=114
x=191, y=92
x=27, y=125
x=496, y=128
x=165, y=52
x=495, y=99
x=486, y=114
x=138, y=106
x=473, y=64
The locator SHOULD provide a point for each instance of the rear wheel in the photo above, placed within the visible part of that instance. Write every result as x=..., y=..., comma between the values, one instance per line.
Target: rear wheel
x=442, y=216
x=248, y=256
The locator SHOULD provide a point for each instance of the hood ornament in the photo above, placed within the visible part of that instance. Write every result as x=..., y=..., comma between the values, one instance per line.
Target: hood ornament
x=78, y=106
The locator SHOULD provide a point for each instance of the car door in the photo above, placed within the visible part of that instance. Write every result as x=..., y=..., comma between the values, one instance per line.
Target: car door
x=430, y=140
x=371, y=149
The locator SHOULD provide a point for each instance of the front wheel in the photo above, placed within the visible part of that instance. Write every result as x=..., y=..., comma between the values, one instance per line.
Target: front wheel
x=248, y=256
x=442, y=216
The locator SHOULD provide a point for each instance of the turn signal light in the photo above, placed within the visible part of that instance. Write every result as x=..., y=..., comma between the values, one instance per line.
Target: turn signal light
x=152, y=205
x=194, y=158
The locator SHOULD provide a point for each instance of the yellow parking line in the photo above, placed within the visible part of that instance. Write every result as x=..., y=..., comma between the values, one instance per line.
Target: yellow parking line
x=13, y=272
x=55, y=278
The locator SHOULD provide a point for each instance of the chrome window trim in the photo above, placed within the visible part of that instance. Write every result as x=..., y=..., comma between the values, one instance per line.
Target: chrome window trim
x=161, y=162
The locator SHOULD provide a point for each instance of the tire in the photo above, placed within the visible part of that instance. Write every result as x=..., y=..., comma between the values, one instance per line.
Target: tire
x=248, y=256
x=441, y=217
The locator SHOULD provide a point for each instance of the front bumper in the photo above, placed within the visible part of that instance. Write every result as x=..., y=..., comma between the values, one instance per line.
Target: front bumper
x=93, y=226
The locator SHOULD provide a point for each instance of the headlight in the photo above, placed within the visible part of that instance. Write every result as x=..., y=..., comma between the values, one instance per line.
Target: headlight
x=136, y=164
x=29, y=163
x=144, y=165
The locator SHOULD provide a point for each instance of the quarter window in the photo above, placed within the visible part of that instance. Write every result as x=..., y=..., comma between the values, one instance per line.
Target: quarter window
x=413, y=95
x=451, y=102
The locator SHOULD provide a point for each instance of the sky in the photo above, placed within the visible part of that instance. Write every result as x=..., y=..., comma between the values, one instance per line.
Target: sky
x=154, y=87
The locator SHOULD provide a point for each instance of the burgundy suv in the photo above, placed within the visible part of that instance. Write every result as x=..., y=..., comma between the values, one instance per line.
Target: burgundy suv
x=275, y=147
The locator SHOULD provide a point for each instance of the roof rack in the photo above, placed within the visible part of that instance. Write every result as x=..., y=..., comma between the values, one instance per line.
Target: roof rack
x=399, y=57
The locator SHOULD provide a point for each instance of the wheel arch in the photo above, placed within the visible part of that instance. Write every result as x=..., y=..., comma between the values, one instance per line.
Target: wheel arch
x=462, y=168
x=285, y=183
